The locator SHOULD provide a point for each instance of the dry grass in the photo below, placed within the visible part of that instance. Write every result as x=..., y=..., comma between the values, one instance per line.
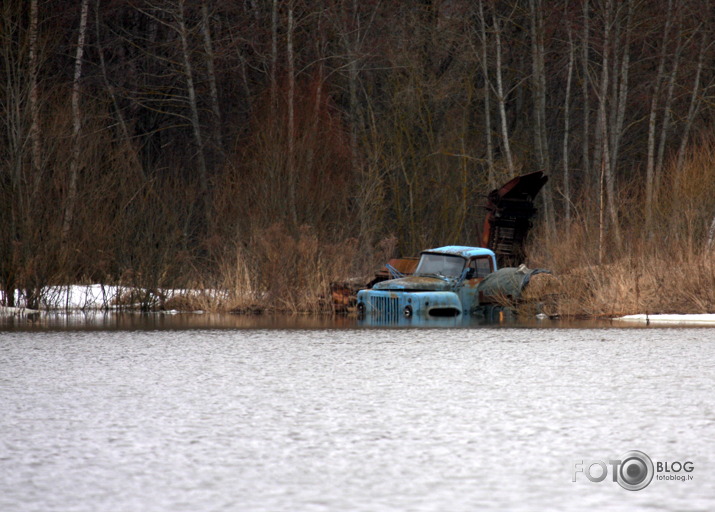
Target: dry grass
x=648, y=283
x=282, y=270
x=668, y=269
x=542, y=295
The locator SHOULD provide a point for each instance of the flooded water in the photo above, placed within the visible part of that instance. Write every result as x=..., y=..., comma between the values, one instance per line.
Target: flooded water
x=164, y=418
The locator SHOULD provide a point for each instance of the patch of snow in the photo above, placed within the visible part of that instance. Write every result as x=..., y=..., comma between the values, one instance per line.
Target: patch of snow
x=10, y=311
x=94, y=296
x=104, y=297
x=692, y=319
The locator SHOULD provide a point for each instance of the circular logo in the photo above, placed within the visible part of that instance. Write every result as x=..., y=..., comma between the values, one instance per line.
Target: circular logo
x=636, y=471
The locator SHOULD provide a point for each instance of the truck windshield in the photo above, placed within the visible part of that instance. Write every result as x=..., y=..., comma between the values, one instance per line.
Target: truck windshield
x=441, y=264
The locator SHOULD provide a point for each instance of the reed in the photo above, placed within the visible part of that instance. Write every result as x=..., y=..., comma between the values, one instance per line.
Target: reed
x=669, y=268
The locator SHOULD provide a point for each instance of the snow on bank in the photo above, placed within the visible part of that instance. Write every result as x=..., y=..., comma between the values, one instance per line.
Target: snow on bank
x=94, y=296
x=10, y=311
x=694, y=319
x=101, y=297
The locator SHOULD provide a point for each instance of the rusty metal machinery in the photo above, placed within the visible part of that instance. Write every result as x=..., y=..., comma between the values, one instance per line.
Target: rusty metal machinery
x=510, y=210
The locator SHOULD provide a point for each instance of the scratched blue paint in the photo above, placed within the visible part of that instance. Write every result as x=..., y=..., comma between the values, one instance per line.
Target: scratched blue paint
x=464, y=251
x=416, y=283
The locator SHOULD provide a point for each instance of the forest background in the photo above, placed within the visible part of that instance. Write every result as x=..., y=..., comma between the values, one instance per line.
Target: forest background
x=265, y=148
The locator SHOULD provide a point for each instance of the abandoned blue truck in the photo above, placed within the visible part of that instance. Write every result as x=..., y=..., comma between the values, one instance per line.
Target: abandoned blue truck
x=452, y=284
x=444, y=284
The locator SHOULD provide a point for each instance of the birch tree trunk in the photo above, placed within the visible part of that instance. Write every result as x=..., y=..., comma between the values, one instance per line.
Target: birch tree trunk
x=193, y=104
x=622, y=94
x=602, y=127
x=652, y=118
x=292, y=178
x=76, y=125
x=213, y=89
x=585, y=42
x=692, y=109
x=314, y=134
x=353, y=93
x=602, y=94
x=667, y=112
x=536, y=81
x=601, y=214
x=501, y=100
x=274, y=54
x=612, y=106
x=34, y=104
x=362, y=120
x=567, y=122
x=539, y=81
x=487, y=97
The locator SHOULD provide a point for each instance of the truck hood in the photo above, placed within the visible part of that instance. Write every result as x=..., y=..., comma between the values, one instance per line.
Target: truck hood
x=416, y=283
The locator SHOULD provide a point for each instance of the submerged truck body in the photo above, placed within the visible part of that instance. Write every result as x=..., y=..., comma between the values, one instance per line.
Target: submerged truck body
x=444, y=284
x=510, y=210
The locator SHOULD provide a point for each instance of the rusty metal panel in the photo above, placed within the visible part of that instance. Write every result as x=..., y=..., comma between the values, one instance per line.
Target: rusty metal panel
x=510, y=210
x=404, y=266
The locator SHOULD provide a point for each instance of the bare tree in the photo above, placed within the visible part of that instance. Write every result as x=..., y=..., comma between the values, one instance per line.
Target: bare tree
x=487, y=93
x=620, y=86
x=213, y=89
x=126, y=136
x=183, y=34
x=353, y=26
x=351, y=38
x=585, y=87
x=290, y=57
x=76, y=124
x=34, y=104
x=501, y=97
x=539, y=93
x=668, y=109
x=695, y=101
x=602, y=156
x=652, y=118
x=567, y=126
x=274, y=54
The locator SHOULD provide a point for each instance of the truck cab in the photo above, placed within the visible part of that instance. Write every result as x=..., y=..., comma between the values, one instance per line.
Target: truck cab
x=444, y=284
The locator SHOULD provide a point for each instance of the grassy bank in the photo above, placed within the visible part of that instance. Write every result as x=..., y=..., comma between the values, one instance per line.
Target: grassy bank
x=650, y=279
x=665, y=265
x=647, y=278
x=604, y=267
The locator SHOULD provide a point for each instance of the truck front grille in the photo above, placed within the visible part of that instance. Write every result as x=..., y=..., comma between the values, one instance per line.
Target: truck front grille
x=386, y=308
